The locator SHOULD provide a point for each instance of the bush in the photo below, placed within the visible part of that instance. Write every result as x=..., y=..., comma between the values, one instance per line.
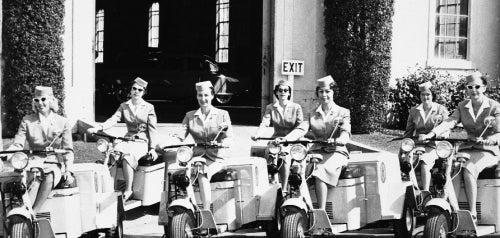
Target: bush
x=32, y=51
x=450, y=90
x=358, y=44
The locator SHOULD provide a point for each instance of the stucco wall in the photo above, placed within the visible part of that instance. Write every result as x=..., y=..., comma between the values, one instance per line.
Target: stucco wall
x=78, y=55
x=298, y=35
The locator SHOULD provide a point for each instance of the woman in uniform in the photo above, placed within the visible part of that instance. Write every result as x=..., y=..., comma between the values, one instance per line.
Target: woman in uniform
x=421, y=121
x=471, y=113
x=140, y=118
x=204, y=125
x=331, y=123
x=45, y=128
x=286, y=118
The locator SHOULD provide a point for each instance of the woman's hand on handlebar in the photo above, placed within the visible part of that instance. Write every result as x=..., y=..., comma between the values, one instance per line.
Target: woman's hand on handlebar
x=487, y=141
x=93, y=130
x=153, y=154
x=424, y=137
x=278, y=140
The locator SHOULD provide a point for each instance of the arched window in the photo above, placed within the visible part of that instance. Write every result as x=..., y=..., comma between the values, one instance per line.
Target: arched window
x=99, y=36
x=154, y=25
x=222, y=32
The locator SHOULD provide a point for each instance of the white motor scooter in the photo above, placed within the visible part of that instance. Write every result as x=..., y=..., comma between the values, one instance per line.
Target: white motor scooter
x=448, y=211
x=241, y=196
x=148, y=177
x=58, y=216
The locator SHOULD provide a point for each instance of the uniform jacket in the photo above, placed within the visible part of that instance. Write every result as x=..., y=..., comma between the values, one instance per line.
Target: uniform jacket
x=32, y=134
x=474, y=125
x=204, y=131
x=321, y=125
x=418, y=123
x=144, y=117
x=286, y=123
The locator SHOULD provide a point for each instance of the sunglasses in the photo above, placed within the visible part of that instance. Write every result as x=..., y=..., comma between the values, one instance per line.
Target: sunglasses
x=283, y=90
x=473, y=86
x=42, y=99
x=137, y=89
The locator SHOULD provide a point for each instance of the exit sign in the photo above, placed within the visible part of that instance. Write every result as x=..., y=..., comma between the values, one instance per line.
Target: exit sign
x=292, y=67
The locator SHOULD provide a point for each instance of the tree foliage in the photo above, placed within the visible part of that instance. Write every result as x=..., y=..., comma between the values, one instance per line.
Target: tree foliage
x=358, y=43
x=32, y=51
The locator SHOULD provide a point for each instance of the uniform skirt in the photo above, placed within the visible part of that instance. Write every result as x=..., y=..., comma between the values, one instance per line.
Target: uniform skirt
x=479, y=160
x=132, y=151
x=328, y=170
x=49, y=165
x=211, y=166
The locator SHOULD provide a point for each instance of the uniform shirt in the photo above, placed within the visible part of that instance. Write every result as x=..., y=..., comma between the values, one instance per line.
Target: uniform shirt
x=321, y=126
x=419, y=123
x=474, y=123
x=32, y=134
x=204, y=130
x=143, y=115
x=287, y=122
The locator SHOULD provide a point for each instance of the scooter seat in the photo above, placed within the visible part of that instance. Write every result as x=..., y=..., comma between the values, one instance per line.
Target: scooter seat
x=224, y=175
x=349, y=172
x=488, y=173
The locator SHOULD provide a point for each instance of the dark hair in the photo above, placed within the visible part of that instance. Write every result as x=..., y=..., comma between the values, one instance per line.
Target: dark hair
x=145, y=89
x=332, y=86
x=433, y=94
x=277, y=86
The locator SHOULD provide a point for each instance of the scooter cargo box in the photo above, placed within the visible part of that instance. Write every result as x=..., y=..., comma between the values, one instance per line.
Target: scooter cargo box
x=148, y=183
x=98, y=199
x=348, y=203
x=58, y=209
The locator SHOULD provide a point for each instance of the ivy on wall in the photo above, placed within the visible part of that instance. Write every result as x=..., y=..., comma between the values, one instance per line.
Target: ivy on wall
x=32, y=53
x=358, y=43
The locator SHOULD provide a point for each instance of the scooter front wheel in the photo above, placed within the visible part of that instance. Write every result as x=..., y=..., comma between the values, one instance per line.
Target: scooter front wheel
x=20, y=227
x=436, y=226
x=181, y=225
x=294, y=224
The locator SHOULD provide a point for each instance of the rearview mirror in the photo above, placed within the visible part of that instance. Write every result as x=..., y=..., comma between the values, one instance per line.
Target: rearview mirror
x=489, y=121
x=437, y=119
x=338, y=121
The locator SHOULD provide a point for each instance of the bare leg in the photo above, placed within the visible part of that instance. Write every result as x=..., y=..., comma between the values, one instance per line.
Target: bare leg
x=471, y=191
x=128, y=175
x=425, y=172
x=321, y=192
x=43, y=192
x=457, y=182
x=284, y=173
x=205, y=192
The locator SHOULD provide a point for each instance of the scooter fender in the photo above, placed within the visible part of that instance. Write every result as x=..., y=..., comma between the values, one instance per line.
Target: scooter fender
x=183, y=203
x=294, y=202
x=439, y=203
x=21, y=211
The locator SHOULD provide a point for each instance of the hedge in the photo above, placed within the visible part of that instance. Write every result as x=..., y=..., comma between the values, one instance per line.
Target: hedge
x=358, y=45
x=32, y=51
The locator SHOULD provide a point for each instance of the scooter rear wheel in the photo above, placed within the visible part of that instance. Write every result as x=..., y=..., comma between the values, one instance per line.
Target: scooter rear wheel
x=181, y=225
x=436, y=226
x=21, y=227
x=294, y=224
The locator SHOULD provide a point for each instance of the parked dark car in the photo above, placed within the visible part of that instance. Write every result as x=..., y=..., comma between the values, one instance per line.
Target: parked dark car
x=171, y=80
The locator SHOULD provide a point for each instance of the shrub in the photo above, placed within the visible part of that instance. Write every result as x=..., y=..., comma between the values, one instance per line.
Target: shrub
x=358, y=45
x=32, y=51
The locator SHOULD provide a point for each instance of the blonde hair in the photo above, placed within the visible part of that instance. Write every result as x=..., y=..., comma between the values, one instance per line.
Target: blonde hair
x=53, y=104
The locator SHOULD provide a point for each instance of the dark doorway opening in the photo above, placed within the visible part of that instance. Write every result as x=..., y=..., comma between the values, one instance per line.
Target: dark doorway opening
x=185, y=53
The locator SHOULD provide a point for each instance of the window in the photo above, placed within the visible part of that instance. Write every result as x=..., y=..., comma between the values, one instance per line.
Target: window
x=99, y=36
x=451, y=29
x=154, y=25
x=222, y=31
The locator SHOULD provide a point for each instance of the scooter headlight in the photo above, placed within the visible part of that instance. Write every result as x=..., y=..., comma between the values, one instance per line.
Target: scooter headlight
x=273, y=149
x=298, y=152
x=184, y=154
x=19, y=160
x=102, y=145
x=407, y=144
x=444, y=149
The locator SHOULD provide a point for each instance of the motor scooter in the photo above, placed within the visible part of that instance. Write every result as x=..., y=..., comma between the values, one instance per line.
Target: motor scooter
x=57, y=216
x=369, y=190
x=148, y=177
x=448, y=211
x=241, y=196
